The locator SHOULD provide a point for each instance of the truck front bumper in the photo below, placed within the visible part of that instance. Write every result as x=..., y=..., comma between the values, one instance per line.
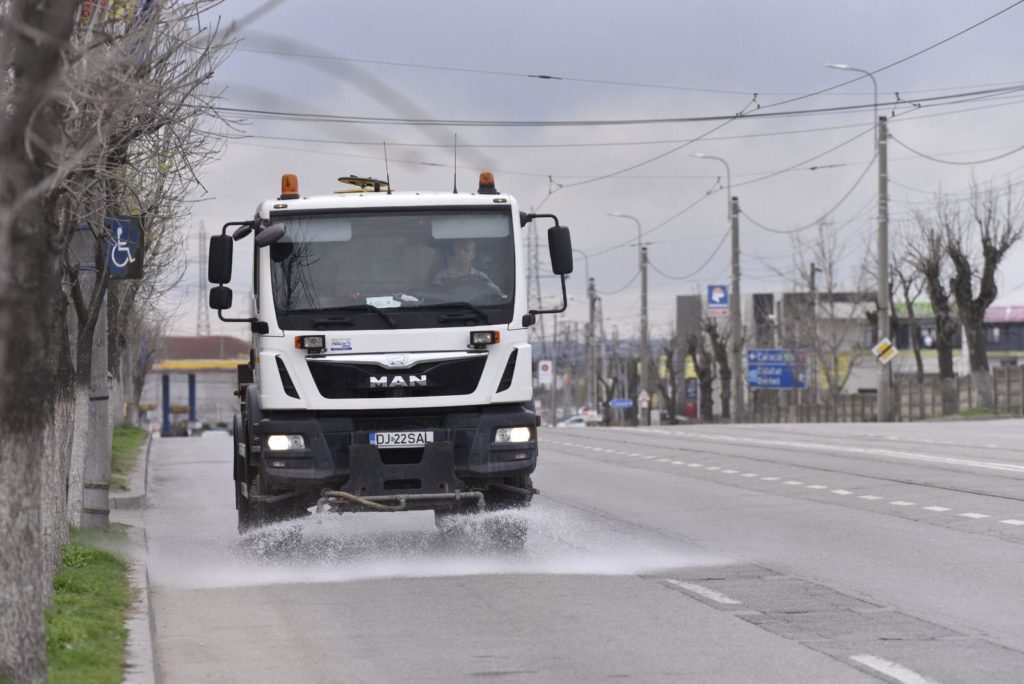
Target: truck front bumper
x=338, y=452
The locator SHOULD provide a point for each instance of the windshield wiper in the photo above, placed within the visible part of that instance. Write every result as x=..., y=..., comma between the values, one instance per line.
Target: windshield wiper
x=365, y=307
x=454, y=305
x=321, y=323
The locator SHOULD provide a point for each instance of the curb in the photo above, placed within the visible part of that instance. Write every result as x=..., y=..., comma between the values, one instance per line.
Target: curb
x=140, y=660
x=138, y=485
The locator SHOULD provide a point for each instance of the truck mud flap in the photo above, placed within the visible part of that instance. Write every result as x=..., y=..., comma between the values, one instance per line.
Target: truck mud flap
x=434, y=474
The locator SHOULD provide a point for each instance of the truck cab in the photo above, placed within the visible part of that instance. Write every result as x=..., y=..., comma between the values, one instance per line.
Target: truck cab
x=390, y=366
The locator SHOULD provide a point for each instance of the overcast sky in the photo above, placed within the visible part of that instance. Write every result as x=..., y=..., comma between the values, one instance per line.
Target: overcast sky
x=618, y=61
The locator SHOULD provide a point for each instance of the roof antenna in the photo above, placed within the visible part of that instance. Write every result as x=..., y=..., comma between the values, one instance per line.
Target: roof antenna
x=387, y=169
x=455, y=165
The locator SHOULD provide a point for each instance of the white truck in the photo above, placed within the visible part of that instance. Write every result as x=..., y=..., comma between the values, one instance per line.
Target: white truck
x=390, y=367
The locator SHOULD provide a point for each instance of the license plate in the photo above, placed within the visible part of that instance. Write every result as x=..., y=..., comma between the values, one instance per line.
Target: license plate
x=395, y=440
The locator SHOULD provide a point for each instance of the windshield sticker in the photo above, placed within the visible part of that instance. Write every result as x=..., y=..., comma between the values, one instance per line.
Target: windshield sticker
x=383, y=302
x=340, y=344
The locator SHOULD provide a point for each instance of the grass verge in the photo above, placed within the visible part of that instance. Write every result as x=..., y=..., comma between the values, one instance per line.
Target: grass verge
x=85, y=631
x=127, y=441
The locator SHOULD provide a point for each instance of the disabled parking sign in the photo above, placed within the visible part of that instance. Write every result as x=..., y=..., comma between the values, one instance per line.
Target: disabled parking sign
x=125, y=246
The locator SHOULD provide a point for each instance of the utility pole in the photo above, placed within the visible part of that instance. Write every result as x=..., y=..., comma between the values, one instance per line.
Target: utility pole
x=591, y=365
x=736, y=317
x=884, y=369
x=645, y=344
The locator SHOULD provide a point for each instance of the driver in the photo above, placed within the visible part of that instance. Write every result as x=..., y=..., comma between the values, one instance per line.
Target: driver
x=461, y=254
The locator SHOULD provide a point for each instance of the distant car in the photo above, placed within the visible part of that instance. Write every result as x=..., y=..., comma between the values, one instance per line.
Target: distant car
x=573, y=421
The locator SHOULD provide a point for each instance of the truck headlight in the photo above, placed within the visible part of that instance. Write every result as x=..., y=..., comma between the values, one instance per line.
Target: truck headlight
x=285, y=442
x=511, y=435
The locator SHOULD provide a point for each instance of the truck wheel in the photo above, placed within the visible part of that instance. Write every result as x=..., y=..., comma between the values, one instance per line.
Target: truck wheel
x=501, y=499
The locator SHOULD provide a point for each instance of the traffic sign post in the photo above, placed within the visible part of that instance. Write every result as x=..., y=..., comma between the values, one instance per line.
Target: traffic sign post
x=885, y=351
x=777, y=369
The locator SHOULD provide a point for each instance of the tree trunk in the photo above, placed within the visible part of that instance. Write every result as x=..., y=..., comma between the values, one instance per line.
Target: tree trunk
x=978, y=358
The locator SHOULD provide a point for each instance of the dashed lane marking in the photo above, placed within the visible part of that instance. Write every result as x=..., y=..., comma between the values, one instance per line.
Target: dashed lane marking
x=703, y=591
x=770, y=479
x=793, y=482
x=974, y=516
x=1012, y=521
x=749, y=475
x=901, y=674
x=730, y=472
x=902, y=503
x=937, y=509
x=842, y=492
x=696, y=465
x=817, y=486
x=869, y=497
x=678, y=462
x=714, y=467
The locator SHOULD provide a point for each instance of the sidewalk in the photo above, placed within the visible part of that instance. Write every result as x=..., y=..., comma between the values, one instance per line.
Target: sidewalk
x=127, y=509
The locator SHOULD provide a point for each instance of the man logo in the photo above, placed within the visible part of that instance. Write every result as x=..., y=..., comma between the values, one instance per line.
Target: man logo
x=390, y=381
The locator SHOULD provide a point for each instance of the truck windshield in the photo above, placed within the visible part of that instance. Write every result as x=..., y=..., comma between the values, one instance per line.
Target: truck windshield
x=419, y=268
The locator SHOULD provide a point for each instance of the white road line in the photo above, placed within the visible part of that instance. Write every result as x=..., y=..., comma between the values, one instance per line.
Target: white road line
x=664, y=460
x=974, y=516
x=869, y=497
x=770, y=479
x=901, y=503
x=817, y=486
x=714, y=467
x=678, y=462
x=937, y=509
x=793, y=482
x=730, y=472
x=901, y=674
x=648, y=458
x=634, y=454
x=1012, y=521
x=749, y=475
x=841, y=492
x=709, y=594
x=695, y=465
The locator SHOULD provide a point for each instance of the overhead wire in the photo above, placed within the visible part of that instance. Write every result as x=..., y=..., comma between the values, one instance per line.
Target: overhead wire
x=956, y=163
x=700, y=268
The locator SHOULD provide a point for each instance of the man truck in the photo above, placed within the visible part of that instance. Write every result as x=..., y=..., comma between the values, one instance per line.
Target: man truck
x=390, y=367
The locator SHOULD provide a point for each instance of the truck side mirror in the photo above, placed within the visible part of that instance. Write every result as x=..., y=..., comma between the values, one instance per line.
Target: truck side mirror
x=560, y=247
x=220, y=297
x=219, y=267
x=270, y=234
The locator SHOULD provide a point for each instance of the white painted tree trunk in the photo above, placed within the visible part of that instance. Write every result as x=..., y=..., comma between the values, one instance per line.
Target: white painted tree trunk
x=79, y=450
x=53, y=499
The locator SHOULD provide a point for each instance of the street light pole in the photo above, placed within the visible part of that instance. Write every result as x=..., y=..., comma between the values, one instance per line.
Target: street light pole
x=735, y=311
x=881, y=146
x=644, y=342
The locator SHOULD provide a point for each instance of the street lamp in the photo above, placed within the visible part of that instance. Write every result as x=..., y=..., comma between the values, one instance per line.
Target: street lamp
x=881, y=145
x=644, y=343
x=735, y=314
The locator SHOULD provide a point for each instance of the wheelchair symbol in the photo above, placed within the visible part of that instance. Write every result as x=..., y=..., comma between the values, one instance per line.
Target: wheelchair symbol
x=120, y=254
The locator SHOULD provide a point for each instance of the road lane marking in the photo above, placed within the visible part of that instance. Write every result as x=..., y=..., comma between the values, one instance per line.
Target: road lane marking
x=1012, y=521
x=841, y=492
x=749, y=475
x=901, y=674
x=714, y=467
x=974, y=516
x=869, y=497
x=664, y=460
x=793, y=482
x=648, y=458
x=634, y=454
x=937, y=509
x=868, y=451
x=817, y=486
x=709, y=594
x=730, y=472
x=901, y=503
x=770, y=479
x=678, y=462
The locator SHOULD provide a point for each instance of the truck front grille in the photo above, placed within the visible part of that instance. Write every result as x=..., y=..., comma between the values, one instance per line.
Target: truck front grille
x=430, y=379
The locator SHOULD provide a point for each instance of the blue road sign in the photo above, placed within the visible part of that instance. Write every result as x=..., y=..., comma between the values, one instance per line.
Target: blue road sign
x=776, y=368
x=718, y=296
x=621, y=403
x=125, y=247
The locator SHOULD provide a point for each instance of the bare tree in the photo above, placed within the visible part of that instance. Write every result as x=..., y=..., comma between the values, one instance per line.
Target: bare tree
x=33, y=35
x=977, y=239
x=927, y=256
x=827, y=319
x=907, y=283
x=668, y=383
x=719, y=341
x=704, y=365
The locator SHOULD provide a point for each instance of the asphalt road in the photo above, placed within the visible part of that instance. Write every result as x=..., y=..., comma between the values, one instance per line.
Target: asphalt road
x=776, y=553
